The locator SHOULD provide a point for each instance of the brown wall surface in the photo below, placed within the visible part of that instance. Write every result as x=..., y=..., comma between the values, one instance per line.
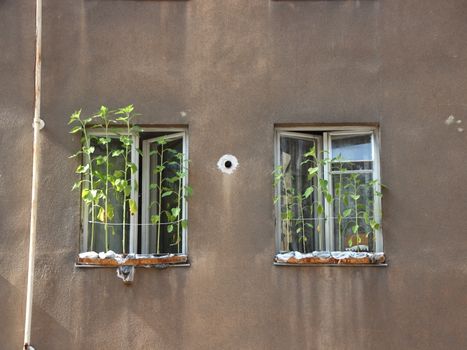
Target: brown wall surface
x=16, y=106
x=230, y=70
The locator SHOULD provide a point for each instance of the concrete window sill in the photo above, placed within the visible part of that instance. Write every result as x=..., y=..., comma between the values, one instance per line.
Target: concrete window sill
x=330, y=259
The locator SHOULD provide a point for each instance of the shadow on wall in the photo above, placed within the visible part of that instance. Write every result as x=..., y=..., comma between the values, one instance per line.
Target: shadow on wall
x=11, y=329
x=47, y=332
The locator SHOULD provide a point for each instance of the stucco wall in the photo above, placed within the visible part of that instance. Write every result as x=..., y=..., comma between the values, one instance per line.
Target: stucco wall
x=16, y=104
x=235, y=68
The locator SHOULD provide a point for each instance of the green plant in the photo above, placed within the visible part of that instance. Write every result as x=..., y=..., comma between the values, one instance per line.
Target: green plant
x=108, y=181
x=171, y=170
x=89, y=194
x=351, y=197
x=121, y=180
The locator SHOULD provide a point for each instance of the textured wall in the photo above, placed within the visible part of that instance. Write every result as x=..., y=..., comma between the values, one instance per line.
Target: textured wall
x=16, y=106
x=236, y=67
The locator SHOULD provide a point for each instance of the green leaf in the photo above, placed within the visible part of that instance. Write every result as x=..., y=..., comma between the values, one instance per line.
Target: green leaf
x=135, y=129
x=74, y=117
x=82, y=169
x=103, y=111
x=76, y=185
x=170, y=228
x=355, y=196
x=188, y=191
x=346, y=212
x=133, y=206
x=84, y=193
x=320, y=209
x=184, y=224
x=117, y=152
x=313, y=171
x=158, y=169
x=308, y=192
x=287, y=215
x=275, y=199
x=355, y=228
x=101, y=215
x=119, y=174
x=175, y=212
x=75, y=129
x=110, y=211
x=374, y=225
x=104, y=140
x=75, y=155
x=167, y=193
x=328, y=197
x=311, y=152
x=100, y=160
x=162, y=141
x=88, y=150
x=133, y=167
x=126, y=140
x=323, y=183
x=155, y=219
x=125, y=110
x=366, y=217
x=127, y=189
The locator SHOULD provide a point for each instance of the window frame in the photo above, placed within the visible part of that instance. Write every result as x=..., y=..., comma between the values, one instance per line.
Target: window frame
x=176, y=132
x=134, y=232
x=326, y=132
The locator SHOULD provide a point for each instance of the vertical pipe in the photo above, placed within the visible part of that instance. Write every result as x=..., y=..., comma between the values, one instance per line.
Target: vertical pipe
x=37, y=125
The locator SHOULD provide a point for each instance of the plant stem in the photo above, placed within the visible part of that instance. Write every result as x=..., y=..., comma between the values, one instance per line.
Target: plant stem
x=303, y=224
x=287, y=229
x=178, y=202
x=339, y=219
x=106, y=200
x=160, y=202
x=87, y=142
x=356, y=209
x=125, y=166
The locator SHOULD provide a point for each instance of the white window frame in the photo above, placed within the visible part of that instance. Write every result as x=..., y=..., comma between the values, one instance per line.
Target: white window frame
x=326, y=132
x=145, y=217
x=133, y=234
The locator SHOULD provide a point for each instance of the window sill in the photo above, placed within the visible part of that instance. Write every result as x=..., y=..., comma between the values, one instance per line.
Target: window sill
x=330, y=259
x=137, y=260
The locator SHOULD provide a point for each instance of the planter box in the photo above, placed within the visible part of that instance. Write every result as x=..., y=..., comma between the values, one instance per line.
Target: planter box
x=331, y=258
x=133, y=260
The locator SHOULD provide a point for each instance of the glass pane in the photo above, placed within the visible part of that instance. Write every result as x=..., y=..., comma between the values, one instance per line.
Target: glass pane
x=108, y=231
x=351, y=147
x=165, y=231
x=300, y=226
x=353, y=209
x=350, y=166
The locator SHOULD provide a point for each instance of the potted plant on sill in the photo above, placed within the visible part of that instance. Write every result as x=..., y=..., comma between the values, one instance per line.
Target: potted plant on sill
x=108, y=184
x=351, y=199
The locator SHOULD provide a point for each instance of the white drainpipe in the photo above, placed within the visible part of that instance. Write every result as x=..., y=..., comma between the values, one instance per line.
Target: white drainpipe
x=37, y=124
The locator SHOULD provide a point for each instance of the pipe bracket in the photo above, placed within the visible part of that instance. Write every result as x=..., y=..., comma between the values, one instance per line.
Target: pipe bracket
x=40, y=122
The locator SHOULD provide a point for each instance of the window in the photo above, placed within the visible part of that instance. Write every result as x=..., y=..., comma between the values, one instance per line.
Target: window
x=327, y=190
x=133, y=186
